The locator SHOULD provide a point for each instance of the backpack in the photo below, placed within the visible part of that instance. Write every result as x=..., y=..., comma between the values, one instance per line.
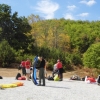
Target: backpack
x=98, y=80
x=83, y=79
x=50, y=78
x=18, y=75
x=1, y=77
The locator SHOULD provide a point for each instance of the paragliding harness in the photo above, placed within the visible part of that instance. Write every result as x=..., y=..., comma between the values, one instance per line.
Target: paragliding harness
x=98, y=80
x=18, y=75
x=1, y=77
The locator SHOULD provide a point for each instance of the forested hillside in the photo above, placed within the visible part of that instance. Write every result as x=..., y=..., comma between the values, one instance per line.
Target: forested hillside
x=75, y=42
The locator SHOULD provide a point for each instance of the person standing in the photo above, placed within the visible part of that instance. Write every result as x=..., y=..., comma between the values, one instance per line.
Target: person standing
x=23, y=68
x=60, y=69
x=46, y=65
x=55, y=70
x=27, y=66
x=41, y=71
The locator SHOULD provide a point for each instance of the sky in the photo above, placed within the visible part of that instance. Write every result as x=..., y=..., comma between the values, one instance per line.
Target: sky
x=57, y=9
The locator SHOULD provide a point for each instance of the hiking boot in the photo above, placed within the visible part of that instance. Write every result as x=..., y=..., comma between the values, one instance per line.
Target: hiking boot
x=60, y=80
x=99, y=84
x=43, y=85
x=29, y=80
x=39, y=85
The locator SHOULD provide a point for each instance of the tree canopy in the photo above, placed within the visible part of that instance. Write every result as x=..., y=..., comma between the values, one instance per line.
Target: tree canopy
x=91, y=57
x=13, y=28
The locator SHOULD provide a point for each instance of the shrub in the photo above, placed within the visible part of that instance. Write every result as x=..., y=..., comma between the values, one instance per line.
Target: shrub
x=91, y=57
x=50, y=65
x=7, y=54
x=76, y=59
x=20, y=57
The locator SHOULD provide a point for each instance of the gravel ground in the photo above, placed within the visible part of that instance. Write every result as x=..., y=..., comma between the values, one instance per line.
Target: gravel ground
x=54, y=90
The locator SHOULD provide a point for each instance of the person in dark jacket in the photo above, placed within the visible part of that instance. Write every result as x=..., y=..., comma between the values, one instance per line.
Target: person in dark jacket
x=41, y=71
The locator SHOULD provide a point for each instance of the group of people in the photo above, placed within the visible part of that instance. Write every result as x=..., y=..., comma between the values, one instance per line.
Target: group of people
x=26, y=69
x=26, y=66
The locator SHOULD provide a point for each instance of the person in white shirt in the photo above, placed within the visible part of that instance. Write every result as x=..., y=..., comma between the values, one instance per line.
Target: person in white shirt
x=55, y=70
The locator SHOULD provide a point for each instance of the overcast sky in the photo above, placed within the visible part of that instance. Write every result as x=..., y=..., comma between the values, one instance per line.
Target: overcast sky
x=50, y=9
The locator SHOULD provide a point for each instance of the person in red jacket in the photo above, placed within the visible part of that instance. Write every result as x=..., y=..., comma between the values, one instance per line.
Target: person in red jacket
x=27, y=66
x=60, y=69
x=23, y=68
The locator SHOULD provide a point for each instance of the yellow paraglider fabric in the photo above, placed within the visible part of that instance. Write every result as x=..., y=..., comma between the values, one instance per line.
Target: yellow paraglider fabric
x=56, y=78
x=8, y=85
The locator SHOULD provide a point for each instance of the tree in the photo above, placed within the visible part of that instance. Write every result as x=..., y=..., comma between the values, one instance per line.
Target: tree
x=13, y=28
x=33, y=18
x=64, y=42
x=91, y=57
x=7, y=54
